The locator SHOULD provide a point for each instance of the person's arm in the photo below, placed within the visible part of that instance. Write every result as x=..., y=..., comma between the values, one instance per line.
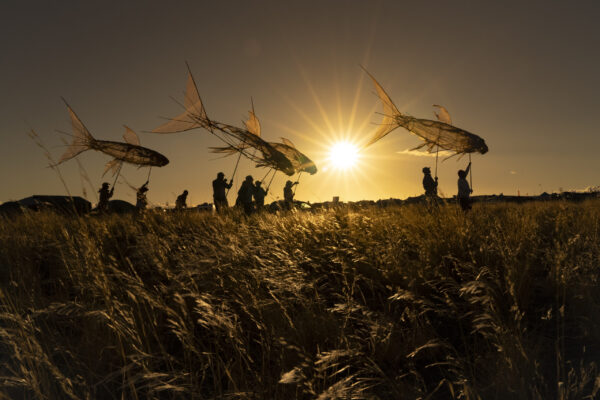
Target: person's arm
x=230, y=184
x=468, y=169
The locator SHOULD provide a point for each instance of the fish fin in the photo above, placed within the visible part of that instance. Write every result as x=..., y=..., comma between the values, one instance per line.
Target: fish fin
x=252, y=124
x=287, y=142
x=130, y=136
x=442, y=115
x=82, y=138
x=112, y=166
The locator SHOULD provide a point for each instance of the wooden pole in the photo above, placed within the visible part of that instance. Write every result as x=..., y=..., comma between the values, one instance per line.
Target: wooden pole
x=470, y=173
x=271, y=181
x=299, y=175
x=234, y=170
x=117, y=177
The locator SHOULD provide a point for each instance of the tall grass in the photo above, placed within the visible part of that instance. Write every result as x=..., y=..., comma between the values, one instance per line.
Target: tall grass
x=376, y=303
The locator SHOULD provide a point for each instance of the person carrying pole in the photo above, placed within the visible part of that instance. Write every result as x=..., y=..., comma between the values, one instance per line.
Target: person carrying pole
x=259, y=195
x=181, y=201
x=141, y=199
x=105, y=195
x=429, y=184
x=288, y=195
x=464, y=190
x=219, y=194
x=245, y=194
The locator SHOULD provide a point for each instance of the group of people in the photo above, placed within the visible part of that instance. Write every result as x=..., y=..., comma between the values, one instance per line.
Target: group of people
x=250, y=196
x=464, y=190
x=141, y=198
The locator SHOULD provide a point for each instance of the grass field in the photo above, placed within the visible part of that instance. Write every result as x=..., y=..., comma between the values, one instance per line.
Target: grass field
x=395, y=303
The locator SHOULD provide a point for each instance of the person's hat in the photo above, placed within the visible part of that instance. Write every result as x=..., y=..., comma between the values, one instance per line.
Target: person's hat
x=105, y=184
x=258, y=183
x=426, y=170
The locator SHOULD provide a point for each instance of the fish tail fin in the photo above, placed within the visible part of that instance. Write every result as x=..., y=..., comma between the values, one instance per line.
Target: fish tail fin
x=194, y=115
x=82, y=138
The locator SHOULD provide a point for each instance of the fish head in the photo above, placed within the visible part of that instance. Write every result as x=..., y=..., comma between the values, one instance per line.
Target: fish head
x=161, y=160
x=310, y=168
x=481, y=146
x=283, y=163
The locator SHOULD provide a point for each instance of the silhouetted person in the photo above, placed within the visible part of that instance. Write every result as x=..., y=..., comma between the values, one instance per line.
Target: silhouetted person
x=105, y=195
x=141, y=200
x=259, y=195
x=288, y=195
x=180, y=203
x=464, y=190
x=219, y=196
x=245, y=194
x=429, y=184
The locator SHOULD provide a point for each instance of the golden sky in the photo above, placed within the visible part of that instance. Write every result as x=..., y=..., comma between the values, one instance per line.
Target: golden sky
x=521, y=75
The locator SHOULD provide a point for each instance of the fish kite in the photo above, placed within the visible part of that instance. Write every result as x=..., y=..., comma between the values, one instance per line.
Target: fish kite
x=238, y=140
x=299, y=161
x=435, y=133
x=130, y=152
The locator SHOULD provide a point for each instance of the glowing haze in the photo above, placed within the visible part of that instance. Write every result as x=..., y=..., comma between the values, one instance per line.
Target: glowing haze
x=522, y=75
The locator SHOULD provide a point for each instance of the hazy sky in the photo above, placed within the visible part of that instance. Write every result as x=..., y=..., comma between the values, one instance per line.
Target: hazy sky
x=522, y=75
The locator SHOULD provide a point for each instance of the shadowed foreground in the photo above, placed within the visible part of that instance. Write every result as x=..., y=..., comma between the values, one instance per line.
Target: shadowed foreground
x=378, y=303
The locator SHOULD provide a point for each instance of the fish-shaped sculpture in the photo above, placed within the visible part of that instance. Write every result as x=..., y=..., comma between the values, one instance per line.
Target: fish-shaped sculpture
x=434, y=133
x=299, y=161
x=130, y=152
x=245, y=141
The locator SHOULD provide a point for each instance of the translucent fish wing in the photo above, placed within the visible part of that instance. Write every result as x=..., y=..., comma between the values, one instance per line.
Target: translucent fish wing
x=130, y=136
x=253, y=124
x=113, y=166
x=390, y=111
x=447, y=137
x=442, y=114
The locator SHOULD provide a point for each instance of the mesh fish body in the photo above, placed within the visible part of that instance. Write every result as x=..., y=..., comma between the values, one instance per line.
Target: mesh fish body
x=130, y=153
x=434, y=133
x=126, y=152
x=446, y=136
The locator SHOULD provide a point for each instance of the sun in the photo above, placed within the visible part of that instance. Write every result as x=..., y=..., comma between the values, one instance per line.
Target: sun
x=343, y=155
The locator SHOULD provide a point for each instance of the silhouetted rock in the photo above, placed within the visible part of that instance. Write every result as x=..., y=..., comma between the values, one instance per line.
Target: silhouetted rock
x=62, y=204
x=121, y=207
